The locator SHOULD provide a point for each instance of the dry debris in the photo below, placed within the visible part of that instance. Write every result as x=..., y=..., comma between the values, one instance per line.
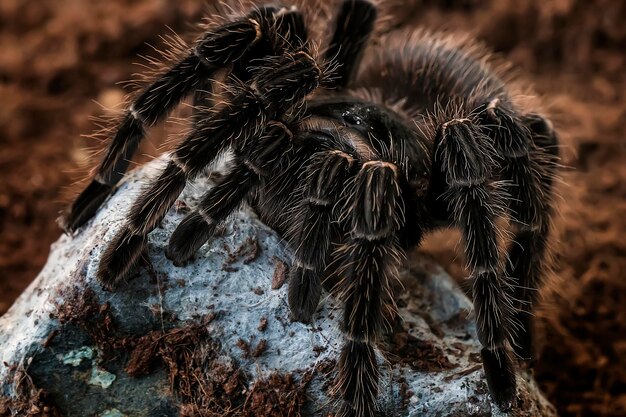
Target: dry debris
x=280, y=274
x=28, y=401
x=247, y=252
x=83, y=309
x=420, y=355
x=206, y=384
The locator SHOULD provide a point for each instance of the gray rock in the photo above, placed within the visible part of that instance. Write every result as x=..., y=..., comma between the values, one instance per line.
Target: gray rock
x=216, y=336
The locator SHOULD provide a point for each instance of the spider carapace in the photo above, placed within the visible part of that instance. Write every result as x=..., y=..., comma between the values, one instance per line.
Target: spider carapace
x=354, y=153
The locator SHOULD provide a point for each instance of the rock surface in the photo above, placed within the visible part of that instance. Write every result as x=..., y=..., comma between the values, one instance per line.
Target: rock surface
x=214, y=338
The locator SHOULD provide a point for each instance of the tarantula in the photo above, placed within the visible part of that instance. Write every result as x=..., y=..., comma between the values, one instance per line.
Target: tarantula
x=354, y=153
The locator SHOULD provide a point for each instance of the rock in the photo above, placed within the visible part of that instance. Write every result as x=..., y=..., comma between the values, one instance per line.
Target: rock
x=214, y=338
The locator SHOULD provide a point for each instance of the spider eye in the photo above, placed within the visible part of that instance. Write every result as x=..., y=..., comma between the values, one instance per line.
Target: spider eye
x=352, y=118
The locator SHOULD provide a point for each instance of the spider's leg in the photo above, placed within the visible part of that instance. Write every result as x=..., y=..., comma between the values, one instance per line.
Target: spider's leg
x=251, y=165
x=355, y=23
x=370, y=259
x=279, y=87
x=463, y=154
x=218, y=48
x=528, y=148
x=202, y=99
x=310, y=231
x=528, y=254
x=253, y=160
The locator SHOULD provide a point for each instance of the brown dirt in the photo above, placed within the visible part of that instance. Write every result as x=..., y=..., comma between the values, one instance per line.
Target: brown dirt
x=252, y=352
x=164, y=345
x=246, y=253
x=280, y=274
x=58, y=60
x=29, y=400
x=419, y=355
x=204, y=383
x=83, y=309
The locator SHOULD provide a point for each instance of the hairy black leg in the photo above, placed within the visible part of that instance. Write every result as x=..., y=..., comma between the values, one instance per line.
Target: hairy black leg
x=511, y=140
x=278, y=88
x=254, y=35
x=251, y=165
x=528, y=252
x=464, y=156
x=528, y=167
x=310, y=232
x=202, y=99
x=283, y=28
x=355, y=23
x=371, y=258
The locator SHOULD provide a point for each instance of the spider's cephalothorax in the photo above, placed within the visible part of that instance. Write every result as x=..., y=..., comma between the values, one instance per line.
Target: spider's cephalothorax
x=413, y=132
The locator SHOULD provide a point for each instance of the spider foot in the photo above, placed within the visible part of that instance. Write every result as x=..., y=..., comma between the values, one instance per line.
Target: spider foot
x=120, y=258
x=85, y=206
x=500, y=375
x=190, y=234
x=358, y=380
x=304, y=293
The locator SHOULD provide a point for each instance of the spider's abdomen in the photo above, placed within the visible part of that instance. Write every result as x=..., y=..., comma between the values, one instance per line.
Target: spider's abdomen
x=426, y=71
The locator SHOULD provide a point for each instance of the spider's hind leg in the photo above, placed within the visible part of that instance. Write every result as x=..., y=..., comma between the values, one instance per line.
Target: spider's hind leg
x=463, y=155
x=354, y=24
x=529, y=156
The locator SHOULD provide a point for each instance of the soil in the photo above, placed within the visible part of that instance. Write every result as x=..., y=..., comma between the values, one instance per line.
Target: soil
x=60, y=63
x=29, y=401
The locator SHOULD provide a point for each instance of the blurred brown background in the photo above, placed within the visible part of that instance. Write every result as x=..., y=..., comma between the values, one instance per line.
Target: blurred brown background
x=60, y=61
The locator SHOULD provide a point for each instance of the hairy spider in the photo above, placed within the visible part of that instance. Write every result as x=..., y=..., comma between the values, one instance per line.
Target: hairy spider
x=354, y=154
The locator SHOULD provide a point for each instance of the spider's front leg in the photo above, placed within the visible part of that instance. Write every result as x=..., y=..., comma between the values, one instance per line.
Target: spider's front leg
x=232, y=42
x=463, y=154
x=371, y=257
x=310, y=232
x=253, y=163
x=280, y=87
